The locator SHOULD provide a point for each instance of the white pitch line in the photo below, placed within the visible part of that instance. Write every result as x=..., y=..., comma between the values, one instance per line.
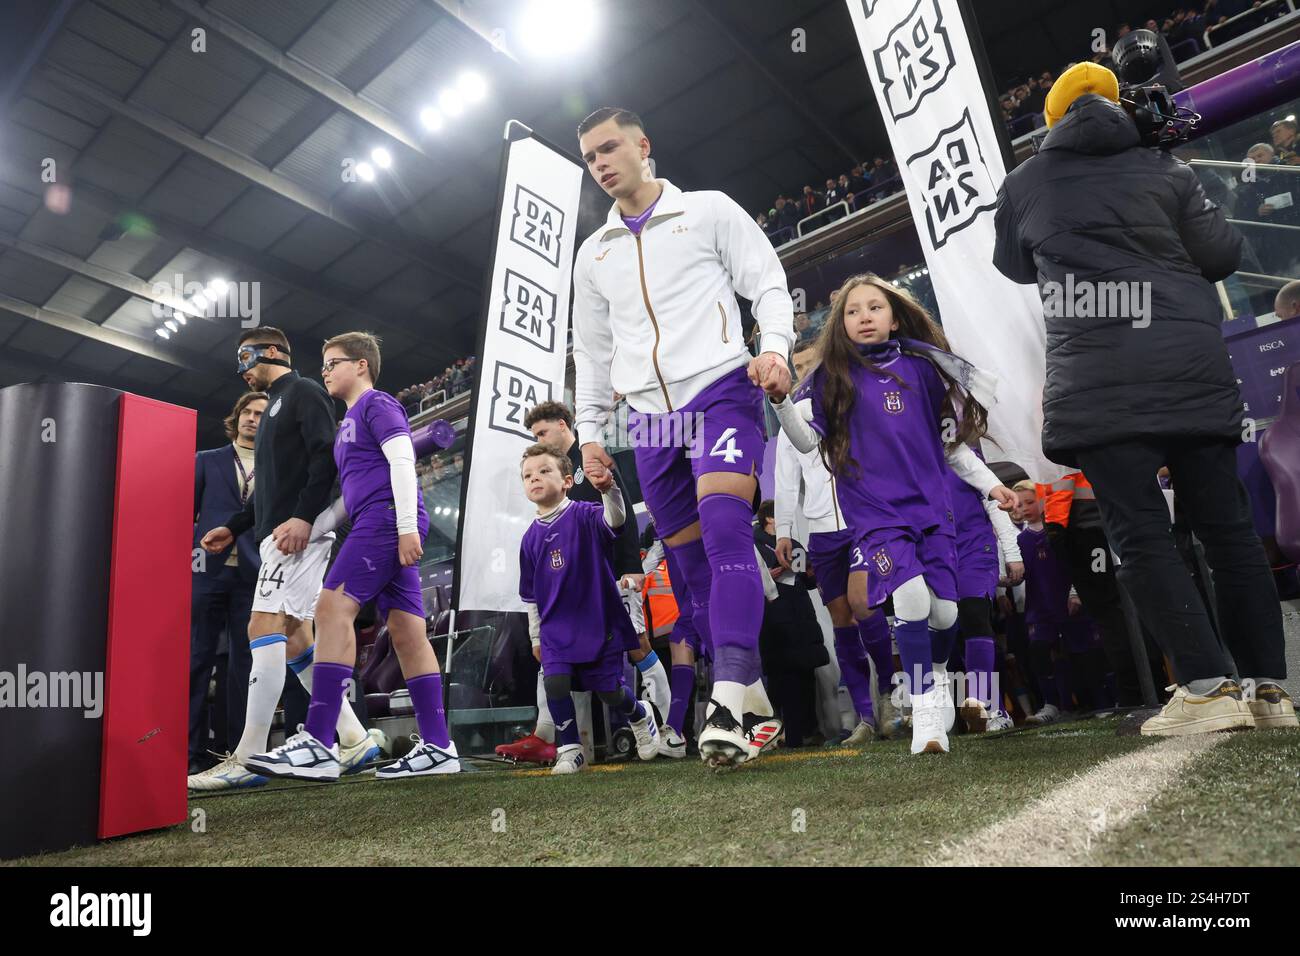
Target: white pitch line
x=1060, y=828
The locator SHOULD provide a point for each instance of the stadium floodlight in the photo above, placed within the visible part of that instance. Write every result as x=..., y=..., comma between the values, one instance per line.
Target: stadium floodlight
x=179, y=316
x=200, y=302
x=171, y=326
x=431, y=119
x=471, y=86
x=366, y=172
x=381, y=157
x=163, y=333
x=451, y=102
x=218, y=287
x=552, y=28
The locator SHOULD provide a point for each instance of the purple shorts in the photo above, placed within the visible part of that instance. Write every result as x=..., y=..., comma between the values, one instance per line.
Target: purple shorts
x=977, y=565
x=892, y=556
x=368, y=567
x=829, y=552
x=605, y=673
x=720, y=429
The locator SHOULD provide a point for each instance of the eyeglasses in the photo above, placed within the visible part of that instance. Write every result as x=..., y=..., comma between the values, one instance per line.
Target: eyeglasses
x=329, y=366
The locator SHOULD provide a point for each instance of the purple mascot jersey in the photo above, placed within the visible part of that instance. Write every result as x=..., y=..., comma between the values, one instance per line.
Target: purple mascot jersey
x=367, y=564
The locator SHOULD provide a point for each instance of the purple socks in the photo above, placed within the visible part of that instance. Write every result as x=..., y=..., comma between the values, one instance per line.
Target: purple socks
x=914, y=650
x=426, y=698
x=736, y=593
x=683, y=682
x=855, y=669
x=566, y=720
x=942, y=643
x=980, y=653
x=328, y=681
x=874, y=632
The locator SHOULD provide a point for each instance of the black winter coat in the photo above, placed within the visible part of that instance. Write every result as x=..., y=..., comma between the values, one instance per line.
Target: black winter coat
x=1094, y=207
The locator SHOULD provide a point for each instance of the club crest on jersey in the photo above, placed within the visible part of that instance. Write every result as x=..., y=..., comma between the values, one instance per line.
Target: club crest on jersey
x=578, y=476
x=276, y=407
x=557, y=560
x=894, y=403
x=884, y=564
x=1042, y=553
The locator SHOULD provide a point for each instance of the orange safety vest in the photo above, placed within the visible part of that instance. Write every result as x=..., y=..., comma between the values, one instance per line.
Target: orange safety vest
x=1058, y=496
x=658, y=601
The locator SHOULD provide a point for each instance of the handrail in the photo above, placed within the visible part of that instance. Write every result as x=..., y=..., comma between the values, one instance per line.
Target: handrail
x=821, y=212
x=1264, y=276
x=1245, y=13
x=1229, y=164
x=1263, y=225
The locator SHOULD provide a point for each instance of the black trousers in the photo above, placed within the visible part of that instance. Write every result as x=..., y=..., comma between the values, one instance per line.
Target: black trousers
x=1204, y=477
x=219, y=602
x=1092, y=572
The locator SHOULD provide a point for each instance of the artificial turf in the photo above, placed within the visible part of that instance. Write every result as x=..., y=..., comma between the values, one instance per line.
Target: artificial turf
x=799, y=807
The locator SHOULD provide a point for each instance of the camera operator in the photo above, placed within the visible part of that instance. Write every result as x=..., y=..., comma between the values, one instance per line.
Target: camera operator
x=1125, y=246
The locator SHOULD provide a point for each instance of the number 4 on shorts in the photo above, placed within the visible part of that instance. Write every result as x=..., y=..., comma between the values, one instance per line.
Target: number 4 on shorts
x=728, y=452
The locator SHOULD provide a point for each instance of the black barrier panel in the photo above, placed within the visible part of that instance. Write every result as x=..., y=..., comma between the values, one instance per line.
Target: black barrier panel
x=58, y=462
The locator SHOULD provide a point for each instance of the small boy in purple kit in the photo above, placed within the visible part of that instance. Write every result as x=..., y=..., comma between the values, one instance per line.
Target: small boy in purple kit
x=1048, y=600
x=379, y=561
x=566, y=579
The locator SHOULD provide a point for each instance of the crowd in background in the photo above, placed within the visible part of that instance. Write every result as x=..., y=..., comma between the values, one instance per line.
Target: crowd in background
x=456, y=378
x=859, y=187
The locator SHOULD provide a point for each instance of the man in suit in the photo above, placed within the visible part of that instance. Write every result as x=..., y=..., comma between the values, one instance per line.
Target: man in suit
x=222, y=596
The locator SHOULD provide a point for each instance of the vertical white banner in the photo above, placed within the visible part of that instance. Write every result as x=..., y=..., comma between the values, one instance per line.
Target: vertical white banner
x=928, y=85
x=521, y=364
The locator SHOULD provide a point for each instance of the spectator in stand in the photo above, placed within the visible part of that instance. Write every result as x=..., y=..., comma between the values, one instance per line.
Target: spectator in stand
x=803, y=328
x=811, y=202
x=761, y=219
x=1284, y=142
x=845, y=190
x=787, y=213
x=830, y=198
x=1122, y=30
x=858, y=181
x=883, y=172
x=1272, y=198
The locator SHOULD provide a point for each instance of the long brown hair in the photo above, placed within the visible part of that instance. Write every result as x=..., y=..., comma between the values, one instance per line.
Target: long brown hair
x=231, y=421
x=839, y=356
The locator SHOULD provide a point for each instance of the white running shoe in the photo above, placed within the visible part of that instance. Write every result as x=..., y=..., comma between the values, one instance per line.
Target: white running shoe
x=723, y=743
x=646, y=732
x=422, y=760
x=353, y=759
x=929, y=735
x=227, y=775
x=569, y=759
x=860, y=736
x=1049, y=714
x=1000, y=720
x=671, y=744
x=301, y=757
x=943, y=685
x=975, y=714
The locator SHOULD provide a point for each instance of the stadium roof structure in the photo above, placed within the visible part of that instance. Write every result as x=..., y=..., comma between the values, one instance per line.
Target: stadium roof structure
x=226, y=162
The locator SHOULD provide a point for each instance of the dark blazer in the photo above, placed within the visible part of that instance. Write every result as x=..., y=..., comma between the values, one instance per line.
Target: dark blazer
x=216, y=498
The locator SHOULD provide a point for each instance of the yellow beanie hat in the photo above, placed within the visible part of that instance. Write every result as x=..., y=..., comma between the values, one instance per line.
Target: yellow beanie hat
x=1075, y=82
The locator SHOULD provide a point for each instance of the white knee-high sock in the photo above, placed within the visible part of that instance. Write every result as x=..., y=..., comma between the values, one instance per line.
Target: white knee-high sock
x=658, y=679
x=265, y=683
x=349, y=727
x=545, y=723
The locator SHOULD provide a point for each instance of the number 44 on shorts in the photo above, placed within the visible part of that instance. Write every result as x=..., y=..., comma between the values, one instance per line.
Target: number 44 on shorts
x=725, y=447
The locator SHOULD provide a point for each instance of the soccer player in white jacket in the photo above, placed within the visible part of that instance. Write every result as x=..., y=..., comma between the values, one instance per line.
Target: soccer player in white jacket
x=655, y=318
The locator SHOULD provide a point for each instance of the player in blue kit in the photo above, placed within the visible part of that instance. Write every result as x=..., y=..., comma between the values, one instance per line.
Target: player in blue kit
x=379, y=561
x=567, y=582
x=893, y=410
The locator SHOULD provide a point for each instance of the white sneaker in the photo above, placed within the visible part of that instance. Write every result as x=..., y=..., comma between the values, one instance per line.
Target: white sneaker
x=302, y=757
x=723, y=743
x=671, y=744
x=569, y=759
x=763, y=733
x=929, y=735
x=975, y=714
x=227, y=775
x=646, y=732
x=353, y=759
x=1047, y=715
x=1000, y=720
x=423, y=760
x=860, y=736
x=943, y=685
